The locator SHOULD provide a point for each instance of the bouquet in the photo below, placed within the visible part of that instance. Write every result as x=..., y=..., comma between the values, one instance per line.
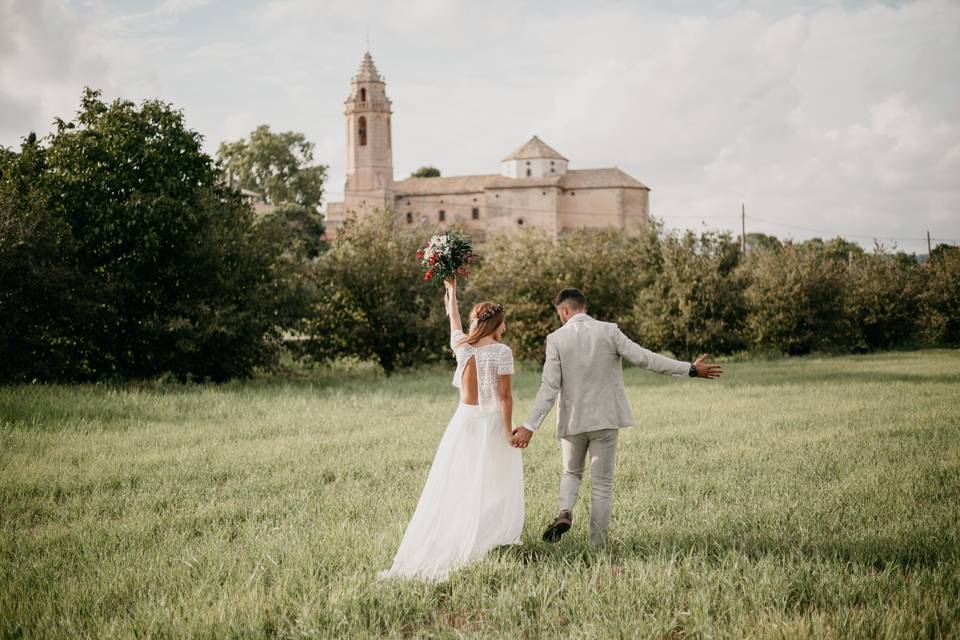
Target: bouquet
x=445, y=255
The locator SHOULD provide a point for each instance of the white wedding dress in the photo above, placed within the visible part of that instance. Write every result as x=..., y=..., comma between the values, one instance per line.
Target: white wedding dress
x=473, y=498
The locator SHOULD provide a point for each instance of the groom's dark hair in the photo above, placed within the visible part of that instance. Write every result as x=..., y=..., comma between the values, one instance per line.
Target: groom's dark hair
x=574, y=296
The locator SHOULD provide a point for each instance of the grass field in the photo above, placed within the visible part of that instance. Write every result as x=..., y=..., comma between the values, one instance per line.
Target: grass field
x=794, y=498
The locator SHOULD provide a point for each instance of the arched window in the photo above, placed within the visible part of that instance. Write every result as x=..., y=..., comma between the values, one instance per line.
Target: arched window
x=409, y=217
x=528, y=172
x=363, y=131
x=441, y=215
x=363, y=95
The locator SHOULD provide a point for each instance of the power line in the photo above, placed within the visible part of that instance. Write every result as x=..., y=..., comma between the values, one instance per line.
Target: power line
x=848, y=235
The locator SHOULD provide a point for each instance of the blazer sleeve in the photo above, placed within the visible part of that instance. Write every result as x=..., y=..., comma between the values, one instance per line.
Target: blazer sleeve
x=549, y=388
x=647, y=359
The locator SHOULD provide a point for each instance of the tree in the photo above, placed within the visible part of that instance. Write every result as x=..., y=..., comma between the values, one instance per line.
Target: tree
x=884, y=300
x=299, y=231
x=695, y=303
x=173, y=275
x=370, y=301
x=43, y=299
x=942, y=297
x=763, y=242
x=941, y=251
x=834, y=249
x=276, y=165
x=797, y=300
x=426, y=171
x=524, y=270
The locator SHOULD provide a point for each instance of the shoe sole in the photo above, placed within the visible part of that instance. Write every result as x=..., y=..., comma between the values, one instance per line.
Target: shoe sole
x=554, y=533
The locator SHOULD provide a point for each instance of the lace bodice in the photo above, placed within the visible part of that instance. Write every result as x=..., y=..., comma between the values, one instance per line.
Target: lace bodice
x=493, y=360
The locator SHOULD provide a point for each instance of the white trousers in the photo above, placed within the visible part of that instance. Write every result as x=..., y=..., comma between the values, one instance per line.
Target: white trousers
x=601, y=445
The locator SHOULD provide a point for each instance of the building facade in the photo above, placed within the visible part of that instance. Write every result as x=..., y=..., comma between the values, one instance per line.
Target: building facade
x=534, y=187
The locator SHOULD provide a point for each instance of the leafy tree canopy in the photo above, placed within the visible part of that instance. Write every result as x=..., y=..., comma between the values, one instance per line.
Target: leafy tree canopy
x=278, y=165
x=147, y=263
x=426, y=171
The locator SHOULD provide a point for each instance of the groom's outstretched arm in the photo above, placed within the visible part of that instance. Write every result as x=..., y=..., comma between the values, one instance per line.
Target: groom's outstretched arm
x=647, y=359
x=549, y=388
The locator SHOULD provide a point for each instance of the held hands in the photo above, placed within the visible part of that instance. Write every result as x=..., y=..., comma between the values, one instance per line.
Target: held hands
x=705, y=370
x=521, y=437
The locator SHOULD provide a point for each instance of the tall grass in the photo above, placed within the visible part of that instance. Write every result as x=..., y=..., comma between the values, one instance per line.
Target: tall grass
x=803, y=497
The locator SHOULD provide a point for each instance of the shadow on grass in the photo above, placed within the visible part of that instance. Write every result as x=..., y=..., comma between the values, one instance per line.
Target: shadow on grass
x=873, y=552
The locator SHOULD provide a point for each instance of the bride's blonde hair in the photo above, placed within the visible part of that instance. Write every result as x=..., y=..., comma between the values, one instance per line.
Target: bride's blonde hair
x=485, y=319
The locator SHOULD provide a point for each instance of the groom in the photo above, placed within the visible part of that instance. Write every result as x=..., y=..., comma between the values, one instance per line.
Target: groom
x=583, y=366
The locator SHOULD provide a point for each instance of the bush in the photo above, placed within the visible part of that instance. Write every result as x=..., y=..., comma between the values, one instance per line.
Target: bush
x=370, y=300
x=797, y=301
x=884, y=298
x=695, y=303
x=525, y=271
x=941, y=299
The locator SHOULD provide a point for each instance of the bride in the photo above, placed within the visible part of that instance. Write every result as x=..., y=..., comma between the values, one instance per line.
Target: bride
x=473, y=498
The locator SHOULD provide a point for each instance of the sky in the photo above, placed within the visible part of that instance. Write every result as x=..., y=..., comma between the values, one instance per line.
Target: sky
x=821, y=118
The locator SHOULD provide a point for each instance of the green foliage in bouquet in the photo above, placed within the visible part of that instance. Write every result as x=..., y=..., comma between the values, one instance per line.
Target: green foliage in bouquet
x=444, y=256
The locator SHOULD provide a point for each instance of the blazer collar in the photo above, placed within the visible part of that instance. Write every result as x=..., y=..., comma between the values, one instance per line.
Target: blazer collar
x=579, y=317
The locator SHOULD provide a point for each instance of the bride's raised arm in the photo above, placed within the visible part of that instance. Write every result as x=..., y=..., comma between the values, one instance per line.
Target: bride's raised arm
x=450, y=302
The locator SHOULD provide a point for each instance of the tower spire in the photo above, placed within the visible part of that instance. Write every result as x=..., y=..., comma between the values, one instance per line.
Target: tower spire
x=367, y=71
x=369, y=182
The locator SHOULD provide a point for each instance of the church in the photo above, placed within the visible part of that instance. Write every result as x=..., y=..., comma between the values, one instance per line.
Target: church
x=534, y=187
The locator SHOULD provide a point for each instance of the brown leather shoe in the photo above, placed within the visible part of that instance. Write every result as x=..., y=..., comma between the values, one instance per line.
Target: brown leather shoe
x=559, y=527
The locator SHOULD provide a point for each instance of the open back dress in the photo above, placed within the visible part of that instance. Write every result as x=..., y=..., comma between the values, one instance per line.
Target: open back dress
x=473, y=498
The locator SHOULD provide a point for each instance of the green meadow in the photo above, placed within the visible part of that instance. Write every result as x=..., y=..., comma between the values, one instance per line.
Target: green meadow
x=807, y=497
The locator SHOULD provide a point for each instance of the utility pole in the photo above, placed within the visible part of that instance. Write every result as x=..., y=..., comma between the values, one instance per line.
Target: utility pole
x=743, y=229
x=929, y=251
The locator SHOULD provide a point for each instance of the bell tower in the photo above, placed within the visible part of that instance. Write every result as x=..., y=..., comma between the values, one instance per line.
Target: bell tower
x=369, y=183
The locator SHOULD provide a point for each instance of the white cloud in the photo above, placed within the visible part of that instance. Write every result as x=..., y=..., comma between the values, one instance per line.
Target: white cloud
x=844, y=118
x=44, y=62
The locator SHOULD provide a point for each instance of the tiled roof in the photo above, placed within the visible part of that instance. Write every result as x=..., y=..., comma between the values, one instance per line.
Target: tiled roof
x=610, y=177
x=453, y=184
x=574, y=179
x=534, y=148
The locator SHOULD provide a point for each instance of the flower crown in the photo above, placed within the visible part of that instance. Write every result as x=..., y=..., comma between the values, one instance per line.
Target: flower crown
x=489, y=312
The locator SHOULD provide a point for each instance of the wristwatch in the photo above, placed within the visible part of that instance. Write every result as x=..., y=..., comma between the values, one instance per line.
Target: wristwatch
x=693, y=371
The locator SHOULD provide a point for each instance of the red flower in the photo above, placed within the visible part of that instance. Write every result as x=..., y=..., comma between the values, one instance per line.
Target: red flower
x=433, y=259
x=428, y=275
x=420, y=253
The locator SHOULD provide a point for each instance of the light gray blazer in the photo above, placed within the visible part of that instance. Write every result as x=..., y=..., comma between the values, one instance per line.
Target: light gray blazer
x=584, y=367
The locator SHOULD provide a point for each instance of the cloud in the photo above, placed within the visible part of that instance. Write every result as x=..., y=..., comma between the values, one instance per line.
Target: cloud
x=45, y=61
x=835, y=117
